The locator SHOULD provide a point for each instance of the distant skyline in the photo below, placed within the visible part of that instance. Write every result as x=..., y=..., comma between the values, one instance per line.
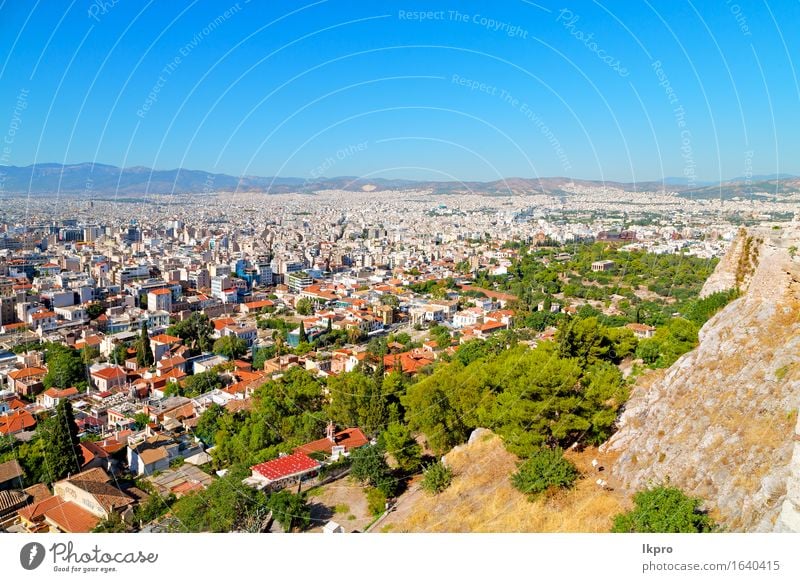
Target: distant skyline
x=443, y=91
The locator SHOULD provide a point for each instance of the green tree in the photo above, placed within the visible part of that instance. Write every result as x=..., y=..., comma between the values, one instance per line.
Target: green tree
x=376, y=501
x=358, y=400
x=65, y=367
x=89, y=354
x=303, y=334
x=154, y=507
x=390, y=300
x=230, y=346
x=441, y=335
x=119, y=354
x=141, y=419
x=702, y=310
x=648, y=350
x=60, y=443
x=208, y=423
x=262, y=355
x=112, y=524
x=585, y=340
x=400, y=444
x=199, y=384
x=144, y=354
x=368, y=465
x=436, y=478
x=443, y=406
x=664, y=510
x=285, y=414
x=543, y=470
x=30, y=456
x=195, y=331
x=95, y=310
x=225, y=506
x=290, y=510
x=304, y=306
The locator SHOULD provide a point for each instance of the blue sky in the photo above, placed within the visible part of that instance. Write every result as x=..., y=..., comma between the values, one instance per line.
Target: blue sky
x=467, y=90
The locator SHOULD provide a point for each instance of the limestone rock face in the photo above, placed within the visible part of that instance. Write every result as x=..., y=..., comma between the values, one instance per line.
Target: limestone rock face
x=721, y=423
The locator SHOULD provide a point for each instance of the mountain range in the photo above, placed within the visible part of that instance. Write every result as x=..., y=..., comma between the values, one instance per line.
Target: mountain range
x=88, y=178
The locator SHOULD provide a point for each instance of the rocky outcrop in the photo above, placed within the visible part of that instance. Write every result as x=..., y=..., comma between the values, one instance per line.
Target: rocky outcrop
x=736, y=268
x=721, y=422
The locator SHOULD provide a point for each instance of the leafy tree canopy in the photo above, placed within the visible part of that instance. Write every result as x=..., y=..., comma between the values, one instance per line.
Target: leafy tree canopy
x=230, y=346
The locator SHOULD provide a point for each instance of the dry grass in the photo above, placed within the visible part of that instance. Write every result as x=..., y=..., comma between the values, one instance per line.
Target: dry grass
x=482, y=499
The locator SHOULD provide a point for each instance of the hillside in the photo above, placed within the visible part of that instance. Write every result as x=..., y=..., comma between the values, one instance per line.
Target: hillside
x=86, y=179
x=482, y=499
x=720, y=423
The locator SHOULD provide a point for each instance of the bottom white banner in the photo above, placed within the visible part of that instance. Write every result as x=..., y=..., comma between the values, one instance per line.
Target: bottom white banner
x=405, y=557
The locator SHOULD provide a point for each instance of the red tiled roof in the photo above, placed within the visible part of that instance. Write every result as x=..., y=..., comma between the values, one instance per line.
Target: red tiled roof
x=160, y=291
x=163, y=338
x=640, y=327
x=259, y=304
x=408, y=362
x=187, y=487
x=109, y=373
x=16, y=422
x=287, y=466
x=61, y=393
x=27, y=373
x=91, y=450
x=10, y=470
x=236, y=405
x=35, y=511
x=223, y=322
x=72, y=518
x=490, y=325
x=42, y=315
x=349, y=438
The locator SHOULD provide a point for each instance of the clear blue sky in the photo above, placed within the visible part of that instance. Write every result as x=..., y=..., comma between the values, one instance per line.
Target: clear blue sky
x=476, y=90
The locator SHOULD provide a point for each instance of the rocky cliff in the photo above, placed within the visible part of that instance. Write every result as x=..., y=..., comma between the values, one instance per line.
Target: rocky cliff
x=721, y=423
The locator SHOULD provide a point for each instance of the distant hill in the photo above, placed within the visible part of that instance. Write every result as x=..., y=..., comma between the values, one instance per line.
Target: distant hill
x=752, y=188
x=87, y=178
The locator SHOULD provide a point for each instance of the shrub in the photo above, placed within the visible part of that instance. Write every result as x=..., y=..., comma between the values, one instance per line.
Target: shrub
x=545, y=469
x=664, y=510
x=376, y=501
x=436, y=478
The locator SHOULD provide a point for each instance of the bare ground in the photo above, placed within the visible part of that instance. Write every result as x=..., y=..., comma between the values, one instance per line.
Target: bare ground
x=342, y=501
x=482, y=499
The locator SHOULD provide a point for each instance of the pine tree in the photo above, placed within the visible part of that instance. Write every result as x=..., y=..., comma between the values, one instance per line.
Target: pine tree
x=144, y=354
x=303, y=335
x=330, y=324
x=61, y=445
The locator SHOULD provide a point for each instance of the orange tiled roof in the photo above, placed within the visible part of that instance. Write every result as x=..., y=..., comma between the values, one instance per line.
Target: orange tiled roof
x=72, y=518
x=163, y=338
x=349, y=438
x=16, y=421
x=27, y=373
x=35, y=511
x=109, y=373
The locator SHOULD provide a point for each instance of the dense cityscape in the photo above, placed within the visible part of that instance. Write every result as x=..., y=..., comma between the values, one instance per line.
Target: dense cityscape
x=148, y=327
